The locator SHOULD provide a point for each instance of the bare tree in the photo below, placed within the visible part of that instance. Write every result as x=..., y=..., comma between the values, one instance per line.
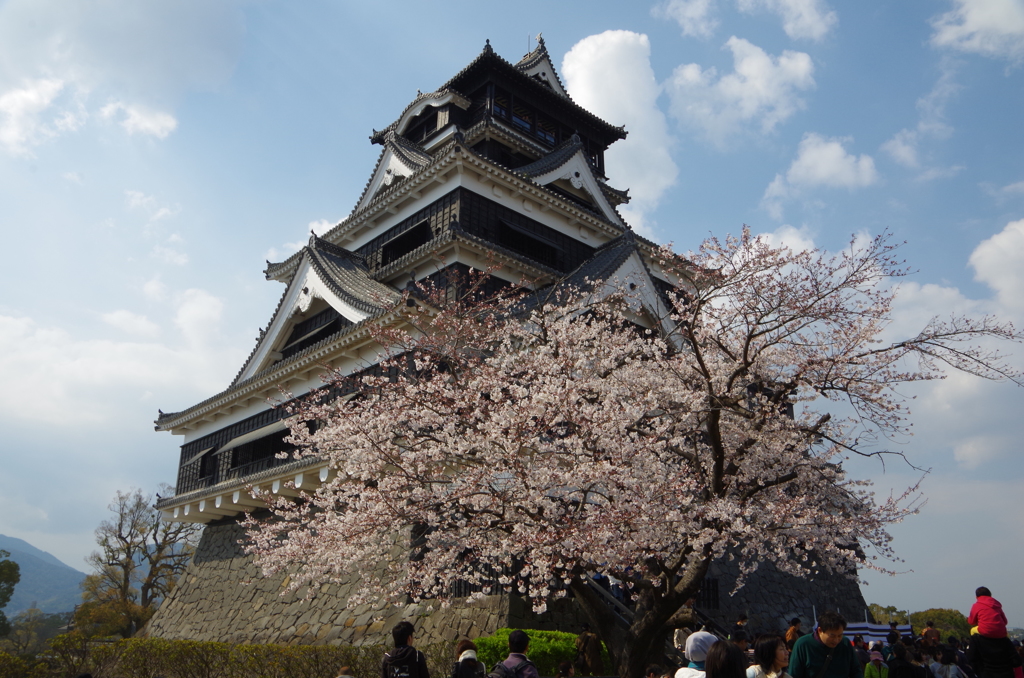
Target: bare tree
x=139, y=560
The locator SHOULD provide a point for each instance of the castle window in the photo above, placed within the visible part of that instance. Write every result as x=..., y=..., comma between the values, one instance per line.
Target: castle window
x=546, y=130
x=525, y=243
x=501, y=105
x=522, y=117
x=402, y=244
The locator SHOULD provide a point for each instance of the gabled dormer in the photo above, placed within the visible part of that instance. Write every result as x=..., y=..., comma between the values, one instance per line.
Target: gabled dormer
x=399, y=160
x=328, y=290
x=538, y=66
x=568, y=171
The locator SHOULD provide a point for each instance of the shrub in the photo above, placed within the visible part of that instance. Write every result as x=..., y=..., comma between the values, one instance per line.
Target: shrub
x=547, y=649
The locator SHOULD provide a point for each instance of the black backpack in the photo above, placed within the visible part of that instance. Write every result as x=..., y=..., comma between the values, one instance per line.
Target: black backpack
x=403, y=670
x=502, y=671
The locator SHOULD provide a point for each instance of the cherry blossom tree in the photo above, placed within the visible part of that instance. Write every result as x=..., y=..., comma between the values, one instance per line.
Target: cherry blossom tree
x=521, y=441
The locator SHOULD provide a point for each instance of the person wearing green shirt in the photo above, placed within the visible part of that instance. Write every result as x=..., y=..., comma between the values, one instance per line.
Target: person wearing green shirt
x=825, y=653
x=876, y=668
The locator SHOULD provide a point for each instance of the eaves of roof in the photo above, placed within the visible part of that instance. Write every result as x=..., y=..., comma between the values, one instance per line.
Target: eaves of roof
x=273, y=374
x=456, y=152
x=379, y=136
x=455, y=234
x=488, y=55
x=238, y=483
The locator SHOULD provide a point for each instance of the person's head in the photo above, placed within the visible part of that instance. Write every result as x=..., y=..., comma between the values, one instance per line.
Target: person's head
x=876, y=658
x=741, y=620
x=795, y=621
x=858, y=640
x=698, y=644
x=982, y=591
x=929, y=624
x=830, y=628
x=947, y=655
x=740, y=638
x=899, y=651
x=654, y=671
x=345, y=671
x=518, y=641
x=725, y=660
x=770, y=653
x=953, y=642
x=892, y=625
x=402, y=633
x=565, y=669
x=464, y=644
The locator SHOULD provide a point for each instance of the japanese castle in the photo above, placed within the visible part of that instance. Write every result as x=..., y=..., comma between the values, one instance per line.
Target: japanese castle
x=498, y=170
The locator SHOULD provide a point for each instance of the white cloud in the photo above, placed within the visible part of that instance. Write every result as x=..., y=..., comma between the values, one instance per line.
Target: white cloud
x=999, y=263
x=61, y=380
x=820, y=162
x=940, y=173
x=73, y=177
x=762, y=91
x=138, y=199
x=903, y=147
x=169, y=256
x=796, y=239
x=610, y=74
x=154, y=290
x=695, y=17
x=20, y=110
x=138, y=120
x=992, y=28
x=198, y=316
x=977, y=450
x=112, y=51
x=1016, y=188
x=808, y=19
x=131, y=323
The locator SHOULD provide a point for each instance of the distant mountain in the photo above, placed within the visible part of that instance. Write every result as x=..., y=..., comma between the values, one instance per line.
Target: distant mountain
x=45, y=582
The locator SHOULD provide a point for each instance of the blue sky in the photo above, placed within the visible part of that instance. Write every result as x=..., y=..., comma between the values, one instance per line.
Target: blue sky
x=154, y=155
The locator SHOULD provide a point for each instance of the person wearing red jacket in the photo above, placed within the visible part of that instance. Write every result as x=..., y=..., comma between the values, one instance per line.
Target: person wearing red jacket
x=987, y=615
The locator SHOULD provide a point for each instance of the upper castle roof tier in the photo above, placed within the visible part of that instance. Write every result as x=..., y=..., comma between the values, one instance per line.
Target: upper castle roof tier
x=529, y=93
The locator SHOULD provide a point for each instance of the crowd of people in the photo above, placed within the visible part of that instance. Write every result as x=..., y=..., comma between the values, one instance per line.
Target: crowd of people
x=827, y=651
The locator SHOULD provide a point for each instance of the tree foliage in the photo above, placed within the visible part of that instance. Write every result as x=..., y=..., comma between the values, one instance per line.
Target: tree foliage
x=10, y=575
x=948, y=622
x=525, y=443
x=140, y=558
x=890, y=613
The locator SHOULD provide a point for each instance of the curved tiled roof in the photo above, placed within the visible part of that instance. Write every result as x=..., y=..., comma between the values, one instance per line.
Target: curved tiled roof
x=378, y=136
x=539, y=53
x=412, y=154
x=489, y=55
x=345, y=273
x=553, y=160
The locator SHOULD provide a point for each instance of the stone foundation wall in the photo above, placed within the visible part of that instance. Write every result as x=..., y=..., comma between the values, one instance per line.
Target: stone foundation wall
x=222, y=596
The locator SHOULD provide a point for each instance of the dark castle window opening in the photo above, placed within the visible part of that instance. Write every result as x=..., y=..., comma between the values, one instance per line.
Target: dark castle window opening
x=409, y=240
x=518, y=240
x=312, y=330
x=258, y=455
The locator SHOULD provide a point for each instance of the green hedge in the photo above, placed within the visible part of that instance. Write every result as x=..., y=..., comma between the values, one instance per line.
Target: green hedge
x=547, y=649
x=69, y=655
